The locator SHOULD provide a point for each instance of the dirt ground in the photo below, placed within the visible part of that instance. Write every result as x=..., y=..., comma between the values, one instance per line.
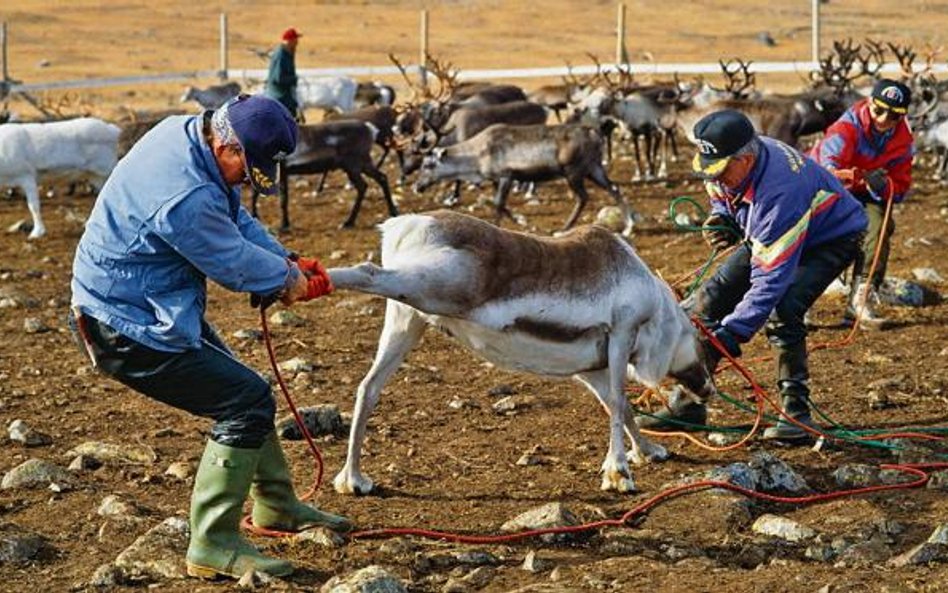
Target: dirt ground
x=438, y=466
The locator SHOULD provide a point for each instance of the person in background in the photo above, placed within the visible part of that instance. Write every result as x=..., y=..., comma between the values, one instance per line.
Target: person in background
x=797, y=228
x=168, y=219
x=870, y=149
x=281, y=74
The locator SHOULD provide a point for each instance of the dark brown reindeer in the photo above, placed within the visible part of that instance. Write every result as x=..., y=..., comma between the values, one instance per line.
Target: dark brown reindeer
x=345, y=145
x=503, y=154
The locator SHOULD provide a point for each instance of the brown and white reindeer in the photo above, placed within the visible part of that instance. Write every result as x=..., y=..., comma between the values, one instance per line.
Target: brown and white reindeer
x=583, y=305
x=505, y=154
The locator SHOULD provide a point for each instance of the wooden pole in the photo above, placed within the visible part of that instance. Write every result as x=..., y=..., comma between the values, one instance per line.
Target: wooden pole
x=423, y=54
x=3, y=52
x=622, y=55
x=222, y=73
x=815, y=49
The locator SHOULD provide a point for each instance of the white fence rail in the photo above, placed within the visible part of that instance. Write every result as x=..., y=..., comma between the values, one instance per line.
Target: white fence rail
x=801, y=68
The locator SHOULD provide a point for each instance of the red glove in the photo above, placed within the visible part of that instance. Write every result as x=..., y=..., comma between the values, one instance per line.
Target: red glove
x=317, y=286
x=310, y=266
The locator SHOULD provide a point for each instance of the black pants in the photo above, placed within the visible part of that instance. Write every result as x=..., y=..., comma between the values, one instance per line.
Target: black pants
x=785, y=328
x=208, y=382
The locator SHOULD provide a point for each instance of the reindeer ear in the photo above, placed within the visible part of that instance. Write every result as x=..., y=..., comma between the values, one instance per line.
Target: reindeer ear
x=438, y=152
x=818, y=103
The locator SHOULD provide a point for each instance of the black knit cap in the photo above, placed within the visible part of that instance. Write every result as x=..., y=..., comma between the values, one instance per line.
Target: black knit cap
x=892, y=95
x=719, y=135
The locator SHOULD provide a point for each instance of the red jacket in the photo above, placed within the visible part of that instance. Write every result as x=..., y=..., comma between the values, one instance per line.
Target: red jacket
x=851, y=147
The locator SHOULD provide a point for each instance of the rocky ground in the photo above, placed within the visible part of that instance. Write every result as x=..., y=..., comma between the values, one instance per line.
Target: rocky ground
x=458, y=445
x=96, y=479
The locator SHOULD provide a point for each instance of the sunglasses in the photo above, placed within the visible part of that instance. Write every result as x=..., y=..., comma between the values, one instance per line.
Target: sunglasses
x=878, y=111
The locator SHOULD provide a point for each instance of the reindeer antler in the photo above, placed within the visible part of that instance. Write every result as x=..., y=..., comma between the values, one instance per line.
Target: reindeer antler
x=733, y=85
x=905, y=56
x=447, y=76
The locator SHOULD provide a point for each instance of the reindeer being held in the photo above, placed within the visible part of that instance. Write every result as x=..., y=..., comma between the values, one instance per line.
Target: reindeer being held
x=583, y=306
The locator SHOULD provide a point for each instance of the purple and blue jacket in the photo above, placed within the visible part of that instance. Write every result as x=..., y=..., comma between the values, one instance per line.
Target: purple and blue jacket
x=787, y=205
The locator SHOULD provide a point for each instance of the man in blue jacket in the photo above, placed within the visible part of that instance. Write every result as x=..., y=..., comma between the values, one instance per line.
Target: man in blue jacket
x=167, y=219
x=797, y=229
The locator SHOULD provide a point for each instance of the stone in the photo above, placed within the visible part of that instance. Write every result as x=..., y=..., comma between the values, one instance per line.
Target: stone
x=35, y=473
x=554, y=514
x=84, y=463
x=17, y=545
x=856, y=475
x=21, y=433
x=158, y=554
x=182, y=470
x=864, y=554
x=938, y=480
x=501, y=390
x=297, y=365
x=775, y=475
x=371, y=579
x=927, y=275
x=114, y=507
x=320, y=420
x=322, y=537
x=248, y=334
x=512, y=404
x=112, y=453
x=285, y=318
x=782, y=528
x=923, y=553
x=34, y=325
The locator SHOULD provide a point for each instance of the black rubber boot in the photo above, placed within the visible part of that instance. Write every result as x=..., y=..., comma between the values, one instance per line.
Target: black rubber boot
x=792, y=378
x=681, y=409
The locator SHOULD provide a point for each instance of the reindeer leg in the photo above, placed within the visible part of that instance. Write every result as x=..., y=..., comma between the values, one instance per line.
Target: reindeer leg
x=385, y=151
x=663, y=146
x=642, y=450
x=500, y=202
x=638, y=157
x=454, y=197
x=254, y=196
x=382, y=180
x=579, y=193
x=401, y=332
x=402, y=178
x=360, y=185
x=28, y=184
x=322, y=182
x=674, y=144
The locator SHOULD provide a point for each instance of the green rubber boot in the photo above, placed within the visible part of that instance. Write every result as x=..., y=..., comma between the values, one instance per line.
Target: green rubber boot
x=275, y=503
x=220, y=488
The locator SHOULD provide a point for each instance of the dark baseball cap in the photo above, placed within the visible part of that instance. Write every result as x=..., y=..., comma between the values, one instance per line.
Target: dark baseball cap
x=718, y=136
x=892, y=95
x=267, y=134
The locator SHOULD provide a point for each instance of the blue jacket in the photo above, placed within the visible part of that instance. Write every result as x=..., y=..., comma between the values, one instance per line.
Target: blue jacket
x=165, y=221
x=787, y=205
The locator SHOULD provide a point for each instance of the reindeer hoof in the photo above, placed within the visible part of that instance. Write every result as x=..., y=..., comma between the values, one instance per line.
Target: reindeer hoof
x=619, y=483
x=358, y=485
x=347, y=225
x=649, y=453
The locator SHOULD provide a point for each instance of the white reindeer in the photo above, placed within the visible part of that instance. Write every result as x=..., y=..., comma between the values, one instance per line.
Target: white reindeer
x=76, y=148
x=333, y=93
x=581, y=305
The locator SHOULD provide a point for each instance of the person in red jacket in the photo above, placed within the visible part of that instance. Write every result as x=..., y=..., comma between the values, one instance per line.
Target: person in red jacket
x=870, y=149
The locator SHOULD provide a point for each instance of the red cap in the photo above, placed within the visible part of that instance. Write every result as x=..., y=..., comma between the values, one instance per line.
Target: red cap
x=291, y=34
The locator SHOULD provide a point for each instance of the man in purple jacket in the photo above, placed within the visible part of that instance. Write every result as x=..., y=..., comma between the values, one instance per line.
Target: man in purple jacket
x=797, y=229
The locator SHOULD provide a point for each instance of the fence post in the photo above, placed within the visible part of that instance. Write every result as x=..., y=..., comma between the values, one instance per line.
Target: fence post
x=622, y=55
x=423, y=56
x=3, y=51
x=222, y=73
x=815, y=49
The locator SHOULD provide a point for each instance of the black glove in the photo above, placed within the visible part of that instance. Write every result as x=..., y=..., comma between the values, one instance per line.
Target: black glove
x=712, y=356
x=264, y=301
x=878, y=182
x=725, y=233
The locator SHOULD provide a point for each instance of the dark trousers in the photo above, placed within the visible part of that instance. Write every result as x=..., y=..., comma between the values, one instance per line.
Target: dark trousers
x=208, y=382
x=785, y=328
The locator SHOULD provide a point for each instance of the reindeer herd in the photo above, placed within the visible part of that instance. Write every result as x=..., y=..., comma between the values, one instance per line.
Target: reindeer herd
x=454, y=132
